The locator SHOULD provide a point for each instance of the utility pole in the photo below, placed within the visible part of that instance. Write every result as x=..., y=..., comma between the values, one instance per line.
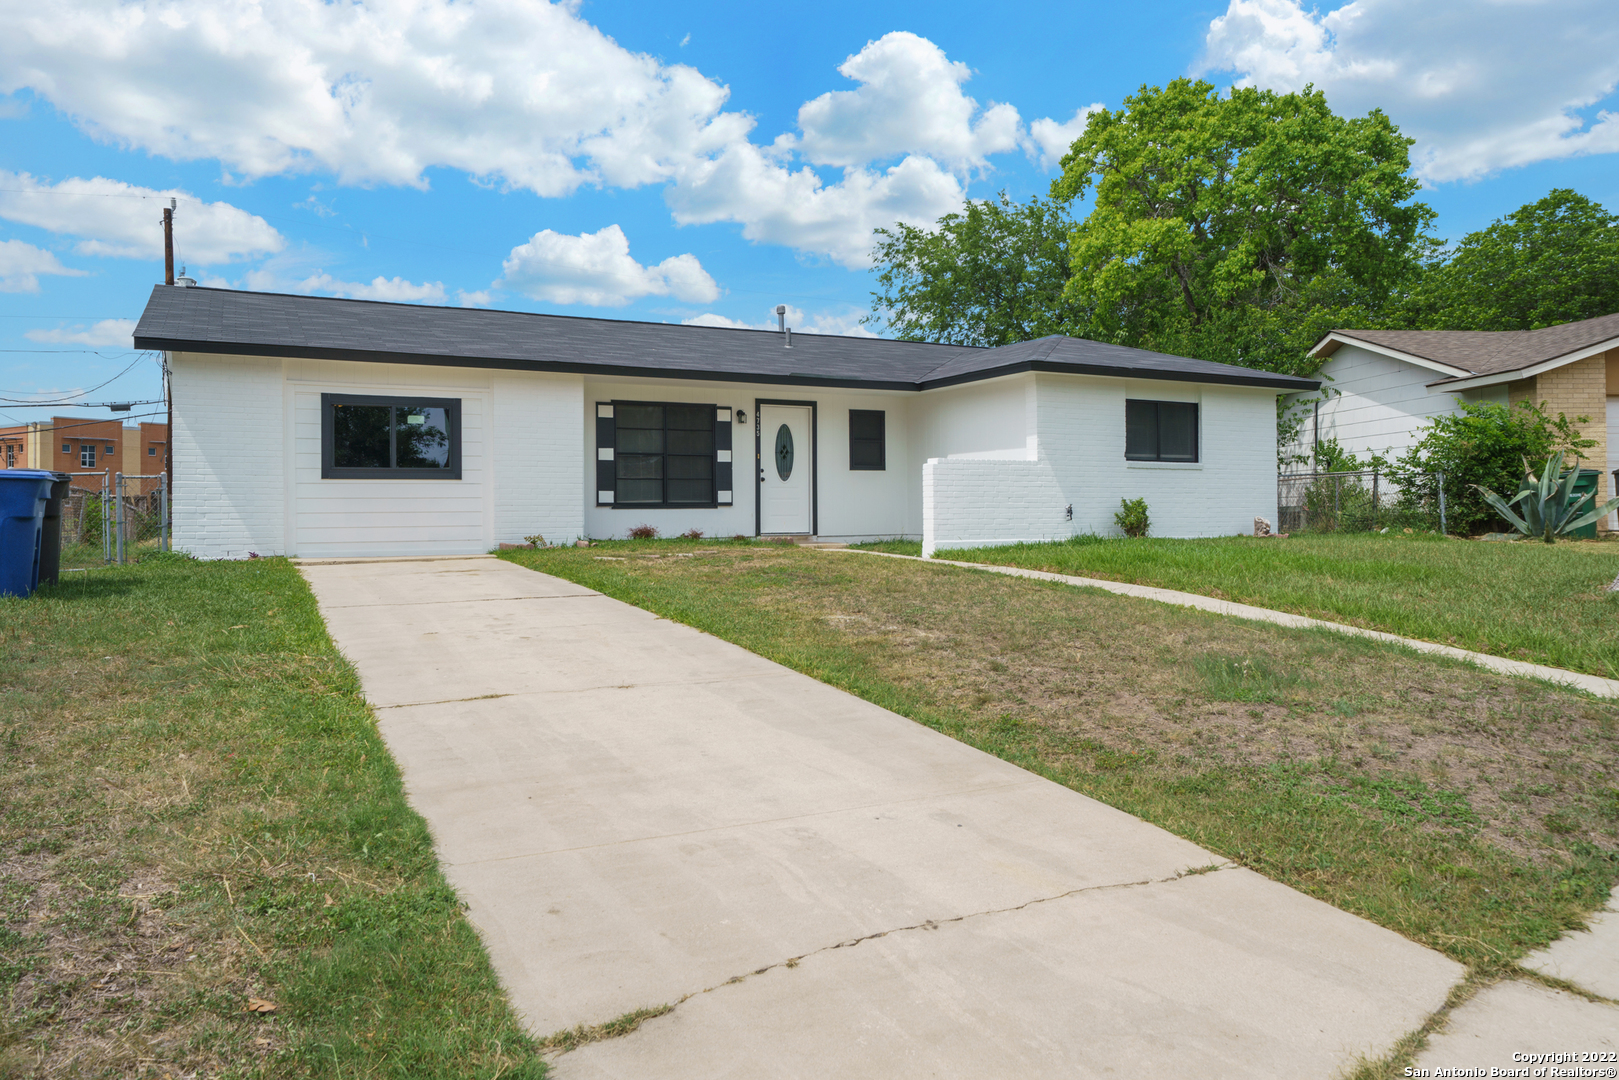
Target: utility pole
x=168, y=244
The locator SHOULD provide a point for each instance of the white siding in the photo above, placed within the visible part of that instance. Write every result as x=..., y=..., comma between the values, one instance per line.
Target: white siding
x=1376, y=404
x=228, y=448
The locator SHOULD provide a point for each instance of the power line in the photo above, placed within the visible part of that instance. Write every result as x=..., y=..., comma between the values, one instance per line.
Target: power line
x=78, y=404
x=68, y=401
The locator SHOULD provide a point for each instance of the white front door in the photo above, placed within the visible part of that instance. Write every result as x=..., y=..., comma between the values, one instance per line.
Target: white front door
x=786, y=469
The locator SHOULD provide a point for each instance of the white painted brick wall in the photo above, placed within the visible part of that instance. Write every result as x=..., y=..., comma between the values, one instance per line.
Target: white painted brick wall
x=1079, y=461
x=228, y=454
x=968, y=502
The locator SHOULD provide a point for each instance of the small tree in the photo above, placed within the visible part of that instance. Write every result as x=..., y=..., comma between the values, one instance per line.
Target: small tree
x=1483, y=446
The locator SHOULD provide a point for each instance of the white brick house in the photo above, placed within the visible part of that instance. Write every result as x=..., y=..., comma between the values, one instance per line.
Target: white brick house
x=320, y=427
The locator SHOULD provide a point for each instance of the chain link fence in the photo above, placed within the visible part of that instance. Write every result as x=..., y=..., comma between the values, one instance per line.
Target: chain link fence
x=1367, y=501
x=113, y=518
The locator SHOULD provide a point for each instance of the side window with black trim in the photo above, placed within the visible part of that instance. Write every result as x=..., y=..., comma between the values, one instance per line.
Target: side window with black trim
x=389, y=438
x=1160, y=430
x=868, y=443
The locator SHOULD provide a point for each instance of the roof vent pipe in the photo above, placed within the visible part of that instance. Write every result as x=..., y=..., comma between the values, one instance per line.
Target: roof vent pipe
x=789, y=333
x=781, y=317
x=183, y=281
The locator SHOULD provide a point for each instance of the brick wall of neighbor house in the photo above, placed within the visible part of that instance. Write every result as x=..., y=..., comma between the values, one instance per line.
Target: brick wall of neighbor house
x=14, y=447
x=1581, y=389
x=228, y=449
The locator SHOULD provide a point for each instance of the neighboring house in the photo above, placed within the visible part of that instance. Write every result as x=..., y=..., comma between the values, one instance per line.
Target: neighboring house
x=324, y=427
x=72, y=444
x=1383, y=386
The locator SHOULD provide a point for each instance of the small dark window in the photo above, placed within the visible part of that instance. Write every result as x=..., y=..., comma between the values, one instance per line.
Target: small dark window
x=151, y=451
x=867, y=444
x=388, y=438
x=1160, y=430
x=663, y=454
x=66, y=448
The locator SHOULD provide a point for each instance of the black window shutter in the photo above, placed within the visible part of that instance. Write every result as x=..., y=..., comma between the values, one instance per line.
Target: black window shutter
x=606, y=442
x=723, y=492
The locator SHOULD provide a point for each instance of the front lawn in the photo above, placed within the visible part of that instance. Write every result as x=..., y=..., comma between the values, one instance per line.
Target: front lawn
x=1542, y=603
x=1475, y=813
x=198, y=818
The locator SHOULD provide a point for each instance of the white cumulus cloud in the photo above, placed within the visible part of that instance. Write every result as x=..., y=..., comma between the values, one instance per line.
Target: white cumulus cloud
x=1049, y=141
x=21, y=265
x=105, y=332
x=1481, y=86
x=394, y=289
x=376, y=92
x=122, y=220
x=511, y=92
x=597, y=269
x=909, y=101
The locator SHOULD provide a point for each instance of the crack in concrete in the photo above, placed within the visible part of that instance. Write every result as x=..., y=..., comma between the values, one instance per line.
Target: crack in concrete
x=925, y=924
x=716, y=681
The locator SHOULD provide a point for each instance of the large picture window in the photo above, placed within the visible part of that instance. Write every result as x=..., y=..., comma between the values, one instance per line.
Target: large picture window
x=389, y=438
x=663, y=454
x=1160, y=430
x=867, y=440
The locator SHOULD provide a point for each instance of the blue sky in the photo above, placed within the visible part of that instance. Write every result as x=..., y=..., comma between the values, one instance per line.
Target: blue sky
x=647, y=162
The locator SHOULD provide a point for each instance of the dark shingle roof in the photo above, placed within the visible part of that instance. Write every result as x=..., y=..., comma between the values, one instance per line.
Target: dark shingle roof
x=274, y=324
x=1493, y=352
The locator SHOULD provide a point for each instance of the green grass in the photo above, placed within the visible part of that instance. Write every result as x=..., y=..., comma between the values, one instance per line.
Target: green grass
x=1472, y=812
x=196, y=810
x=1542, y=603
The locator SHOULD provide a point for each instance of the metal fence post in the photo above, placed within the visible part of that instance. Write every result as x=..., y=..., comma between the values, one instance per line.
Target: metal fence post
x=118, y=511
x=1374, y=500
x=1443, y=531
x=106, y=520
x=163, y=511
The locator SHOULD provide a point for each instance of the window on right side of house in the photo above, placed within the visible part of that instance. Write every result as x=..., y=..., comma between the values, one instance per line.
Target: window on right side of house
x=867, y=440
x=1160, y=430
x=87, y=456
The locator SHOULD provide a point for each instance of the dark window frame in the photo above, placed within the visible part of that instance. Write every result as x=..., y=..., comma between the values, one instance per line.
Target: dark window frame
x=1157, y=454
x=330, y=471
x=713, y=411
x=881, y=441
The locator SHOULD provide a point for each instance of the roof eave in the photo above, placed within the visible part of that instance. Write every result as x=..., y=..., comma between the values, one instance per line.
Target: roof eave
x=1286, y=383
x=515, y=364
x=1340, y=339
x=1496, y=378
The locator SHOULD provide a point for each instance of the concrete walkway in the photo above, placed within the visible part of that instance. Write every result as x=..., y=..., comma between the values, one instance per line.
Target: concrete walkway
x=1591, y=684
x=639, y=813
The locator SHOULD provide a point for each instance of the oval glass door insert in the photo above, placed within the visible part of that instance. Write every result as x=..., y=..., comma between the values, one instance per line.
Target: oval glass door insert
x=784, y=452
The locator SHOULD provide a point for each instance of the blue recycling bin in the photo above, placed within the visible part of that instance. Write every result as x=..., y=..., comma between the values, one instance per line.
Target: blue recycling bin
x=23, y=495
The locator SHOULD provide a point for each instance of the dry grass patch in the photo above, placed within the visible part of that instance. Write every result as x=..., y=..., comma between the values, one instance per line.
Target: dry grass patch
x=1476, y=813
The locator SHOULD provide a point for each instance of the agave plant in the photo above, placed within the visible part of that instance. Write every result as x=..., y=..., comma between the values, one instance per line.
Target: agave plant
x=1548, y=506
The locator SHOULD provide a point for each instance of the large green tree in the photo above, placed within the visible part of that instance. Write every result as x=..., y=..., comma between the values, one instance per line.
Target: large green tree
x=1240, y=226
x=1548, y=262
x=990, y=275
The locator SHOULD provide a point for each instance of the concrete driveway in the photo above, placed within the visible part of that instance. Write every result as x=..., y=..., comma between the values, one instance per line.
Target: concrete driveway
x=639, y=814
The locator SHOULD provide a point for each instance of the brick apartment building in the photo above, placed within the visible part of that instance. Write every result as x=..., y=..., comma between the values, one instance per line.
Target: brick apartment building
x=73, y=444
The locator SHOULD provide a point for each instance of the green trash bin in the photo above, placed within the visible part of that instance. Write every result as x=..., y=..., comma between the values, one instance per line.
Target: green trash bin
x=1586, y=485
